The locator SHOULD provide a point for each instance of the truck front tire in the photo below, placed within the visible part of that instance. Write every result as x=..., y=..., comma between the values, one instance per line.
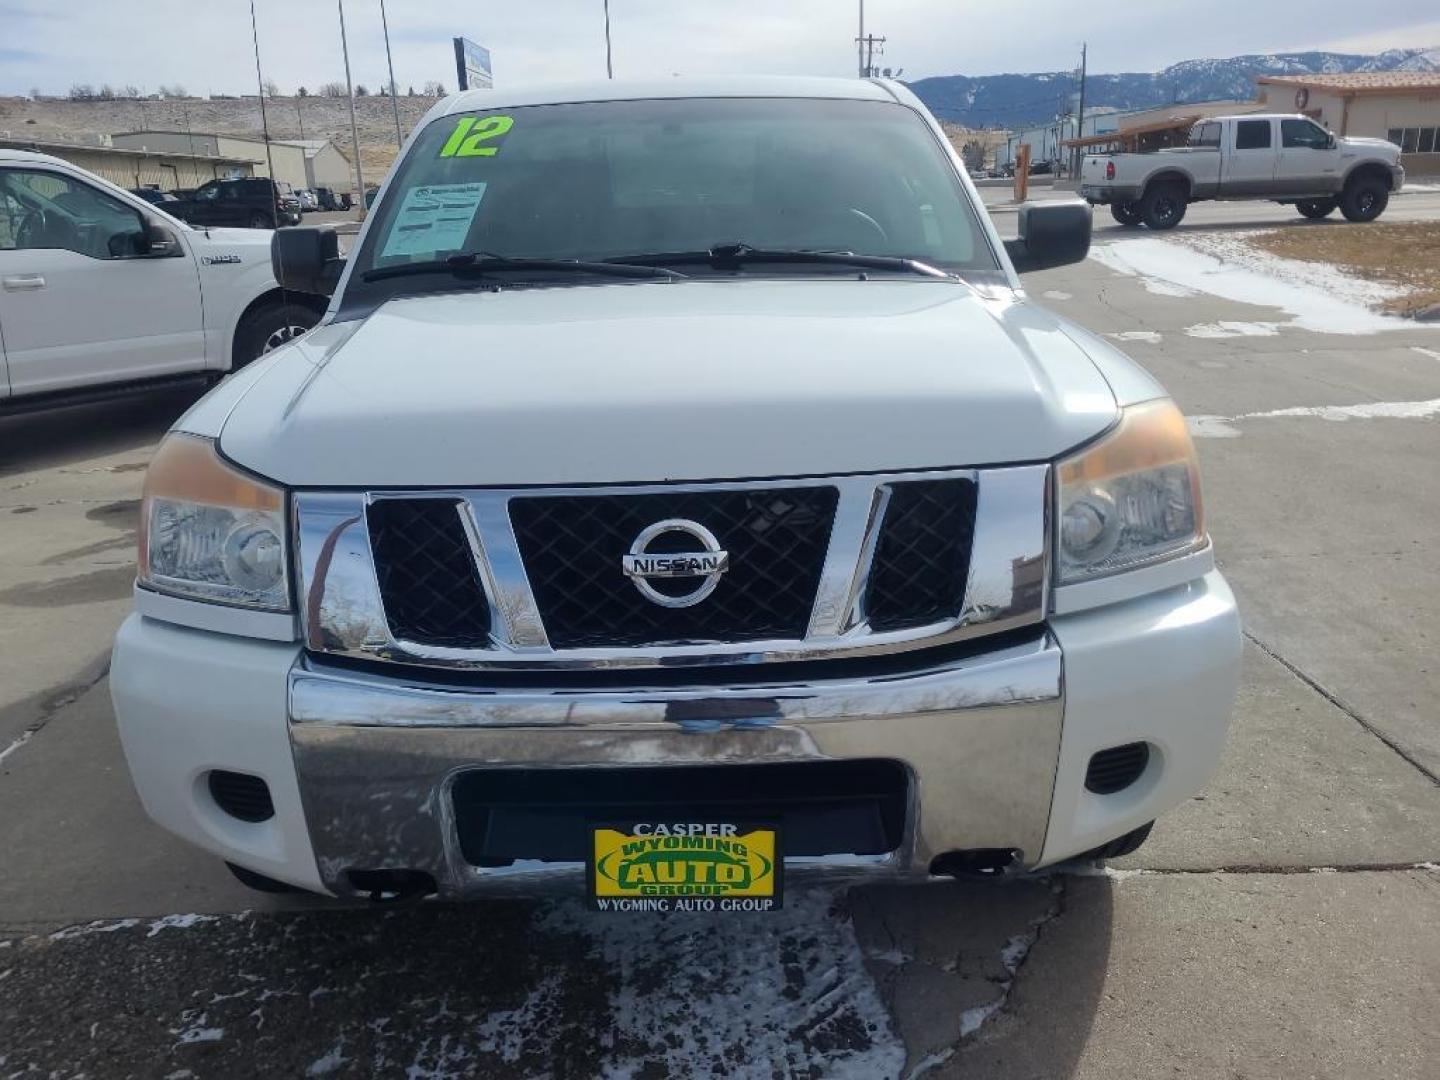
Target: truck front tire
x=1163, y=206
x=1127, y=213
x=1364, y=199
x=268, y=327
x=1315, y=209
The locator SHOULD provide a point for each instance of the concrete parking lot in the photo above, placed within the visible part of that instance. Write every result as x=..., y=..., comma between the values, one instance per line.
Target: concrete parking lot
x=1282, y=923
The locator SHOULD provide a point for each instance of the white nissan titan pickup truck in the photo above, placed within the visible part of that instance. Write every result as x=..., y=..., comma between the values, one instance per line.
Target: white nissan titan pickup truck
x=1284, y=159
x=103, y=293
x=681, y=495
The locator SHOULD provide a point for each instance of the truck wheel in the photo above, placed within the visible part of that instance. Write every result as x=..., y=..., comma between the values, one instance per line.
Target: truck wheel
x=1364, y=199
x=259, y=882
x=260, y=221
x=1121, y=845
x=1316, y=209
x=267, y=328
x=1127, y=213
x=1163, y=206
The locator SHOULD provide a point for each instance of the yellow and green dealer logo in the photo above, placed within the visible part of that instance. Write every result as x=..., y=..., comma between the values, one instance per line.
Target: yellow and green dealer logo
x=637, y=870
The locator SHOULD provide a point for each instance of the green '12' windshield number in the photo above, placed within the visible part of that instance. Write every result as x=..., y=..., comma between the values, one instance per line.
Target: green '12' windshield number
x=469, y=137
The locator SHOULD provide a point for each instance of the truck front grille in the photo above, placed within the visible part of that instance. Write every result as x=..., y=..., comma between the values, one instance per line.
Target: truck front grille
x=429, y=583
x=572, y=547
x=817, y=568
x=922, y=557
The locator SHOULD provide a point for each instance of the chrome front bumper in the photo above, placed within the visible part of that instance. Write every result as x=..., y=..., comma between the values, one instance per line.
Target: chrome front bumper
x=376, y=755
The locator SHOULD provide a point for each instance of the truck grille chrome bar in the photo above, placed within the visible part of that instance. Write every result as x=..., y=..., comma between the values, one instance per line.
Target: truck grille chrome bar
x=533, y=578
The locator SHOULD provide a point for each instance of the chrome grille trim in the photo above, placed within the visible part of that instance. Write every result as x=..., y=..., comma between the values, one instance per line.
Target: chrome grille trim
x=1007, y=587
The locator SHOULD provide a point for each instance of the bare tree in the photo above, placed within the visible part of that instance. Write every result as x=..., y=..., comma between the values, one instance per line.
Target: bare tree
x=35, y=93
x=176, y=91
x=434, y=89
x=332, y=89
x=270, y=88
x=130, y=91
x=106, y=93
x=82, y=92
x=360, y=90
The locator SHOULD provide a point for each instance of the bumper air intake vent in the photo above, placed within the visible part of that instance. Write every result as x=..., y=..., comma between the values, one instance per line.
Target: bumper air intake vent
x=241, y=795
x=1117, y=768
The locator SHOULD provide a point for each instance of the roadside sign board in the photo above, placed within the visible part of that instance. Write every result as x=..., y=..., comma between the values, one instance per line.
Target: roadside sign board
x=472, y=65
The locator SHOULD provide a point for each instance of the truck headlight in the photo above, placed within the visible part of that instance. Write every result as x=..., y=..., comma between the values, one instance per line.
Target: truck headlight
x=211, y=532
x=1131, y=499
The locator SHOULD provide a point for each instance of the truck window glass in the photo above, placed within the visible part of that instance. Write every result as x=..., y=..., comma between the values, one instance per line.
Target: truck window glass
x=1205, y=135
x=599, y=180
x=1303, y=133
x=1252, y=135
x=53, y=211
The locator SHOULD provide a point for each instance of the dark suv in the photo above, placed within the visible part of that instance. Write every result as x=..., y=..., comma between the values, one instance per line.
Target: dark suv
x=254, y=203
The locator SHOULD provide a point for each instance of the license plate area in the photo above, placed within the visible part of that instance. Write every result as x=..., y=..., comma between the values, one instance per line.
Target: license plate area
x=663, y=867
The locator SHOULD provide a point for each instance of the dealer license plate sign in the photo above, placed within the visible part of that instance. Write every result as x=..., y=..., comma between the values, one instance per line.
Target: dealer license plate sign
x=707, y=866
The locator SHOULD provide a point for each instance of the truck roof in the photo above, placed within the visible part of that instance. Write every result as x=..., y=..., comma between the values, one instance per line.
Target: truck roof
x=31, y=156
x=770, y=86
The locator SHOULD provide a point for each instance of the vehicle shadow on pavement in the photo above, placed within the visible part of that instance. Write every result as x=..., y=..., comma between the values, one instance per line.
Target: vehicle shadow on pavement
x=978, y=979
x=80, y=433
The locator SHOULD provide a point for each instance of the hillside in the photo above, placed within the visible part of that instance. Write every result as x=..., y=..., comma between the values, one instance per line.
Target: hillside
x=316, y=117
x=1014, y=101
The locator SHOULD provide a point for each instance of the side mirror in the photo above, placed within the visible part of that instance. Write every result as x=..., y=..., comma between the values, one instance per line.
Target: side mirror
x=159, y=242
x=1331, y=142
x=306, y=260
x=1051, y=234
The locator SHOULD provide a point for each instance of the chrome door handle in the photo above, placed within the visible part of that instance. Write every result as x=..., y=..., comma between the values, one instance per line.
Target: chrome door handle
x=21, y=282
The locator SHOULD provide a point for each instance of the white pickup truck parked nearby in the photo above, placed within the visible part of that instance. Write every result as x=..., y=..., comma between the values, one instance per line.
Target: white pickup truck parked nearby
x=1284, y=159
x=102, y=292
x=681, y=493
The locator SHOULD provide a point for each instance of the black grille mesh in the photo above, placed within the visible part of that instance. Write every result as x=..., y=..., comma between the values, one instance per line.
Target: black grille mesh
x=572, y=547
x=923, y=555
x=429, y=582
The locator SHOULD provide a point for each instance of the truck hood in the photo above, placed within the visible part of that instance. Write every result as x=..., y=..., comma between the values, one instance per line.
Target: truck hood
x=670, y=381
x=1380, y=147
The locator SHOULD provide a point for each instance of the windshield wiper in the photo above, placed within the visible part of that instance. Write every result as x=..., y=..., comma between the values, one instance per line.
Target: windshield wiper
x=733, y=256
x=483, y=262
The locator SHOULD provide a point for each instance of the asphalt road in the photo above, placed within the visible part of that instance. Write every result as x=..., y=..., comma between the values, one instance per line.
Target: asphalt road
x=1282, y=923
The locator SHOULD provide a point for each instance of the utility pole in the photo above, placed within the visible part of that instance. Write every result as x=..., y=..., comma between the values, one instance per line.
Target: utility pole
x=354, y=129
x=860, y=44
x=609, y=67
x=394, y=104
x=1080, y=119
x=870, y=47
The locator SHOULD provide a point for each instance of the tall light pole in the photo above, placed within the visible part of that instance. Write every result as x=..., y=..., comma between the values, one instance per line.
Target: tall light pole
x=394, y=104
x=354, y=129
x=609, y=68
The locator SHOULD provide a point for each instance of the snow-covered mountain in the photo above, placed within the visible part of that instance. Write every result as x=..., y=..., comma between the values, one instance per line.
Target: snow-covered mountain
x=1014, y=101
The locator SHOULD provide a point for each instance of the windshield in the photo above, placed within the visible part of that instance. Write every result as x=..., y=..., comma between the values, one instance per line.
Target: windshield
x=607, y=180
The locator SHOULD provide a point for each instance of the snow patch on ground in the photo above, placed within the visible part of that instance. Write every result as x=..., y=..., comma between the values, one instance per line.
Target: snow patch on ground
x=1432, y=353
x=1316, y=296
x=1226, y=328
x=1056, y=294
x=1149, y=336
x=1223, y=427
x=99, y=926
x=329, y=1061
x=178, y=922
x=791, y=991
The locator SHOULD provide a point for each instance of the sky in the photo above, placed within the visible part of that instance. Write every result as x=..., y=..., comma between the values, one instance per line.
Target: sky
x=205, y=45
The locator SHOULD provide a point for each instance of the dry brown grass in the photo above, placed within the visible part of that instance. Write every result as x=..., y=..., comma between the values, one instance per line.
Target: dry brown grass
x=1405, y=254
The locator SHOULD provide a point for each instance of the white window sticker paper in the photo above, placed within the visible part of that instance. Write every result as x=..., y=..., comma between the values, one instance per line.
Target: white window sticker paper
x=434, y=218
